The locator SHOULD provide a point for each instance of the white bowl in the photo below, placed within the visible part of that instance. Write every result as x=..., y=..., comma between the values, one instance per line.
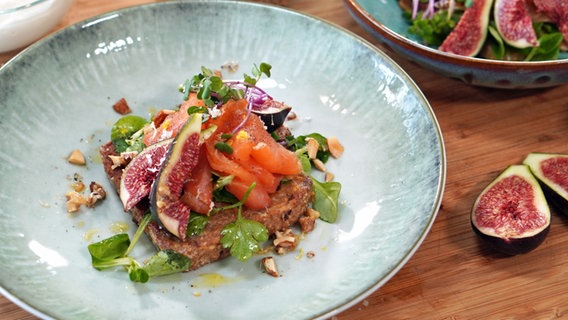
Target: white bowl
x=25, y=21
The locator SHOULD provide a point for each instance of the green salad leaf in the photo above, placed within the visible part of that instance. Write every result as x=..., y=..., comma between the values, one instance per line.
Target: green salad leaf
x=127, y=132
x=114, y=252
x=326, y=200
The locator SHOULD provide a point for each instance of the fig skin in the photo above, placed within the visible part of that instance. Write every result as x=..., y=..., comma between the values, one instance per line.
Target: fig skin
x=556, y=193
x=511, y=214
x=513, y=246
x=273, y=114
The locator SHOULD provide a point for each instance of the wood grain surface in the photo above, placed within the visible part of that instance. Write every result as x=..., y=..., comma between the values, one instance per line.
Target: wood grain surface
x=452, y=276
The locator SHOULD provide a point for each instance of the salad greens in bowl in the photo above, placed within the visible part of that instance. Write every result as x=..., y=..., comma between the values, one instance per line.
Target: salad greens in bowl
x=512, y=44
x=58, y=96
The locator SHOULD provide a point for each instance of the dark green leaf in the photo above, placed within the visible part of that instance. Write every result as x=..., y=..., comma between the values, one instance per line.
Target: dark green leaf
x=123, y=129
x=224, y=147
x=197, y=222
x=433, y=30
x=326, y=200
x=195, y=109
x=110, y=248
x=498, y=46
x=166, y=262
x=137, y=274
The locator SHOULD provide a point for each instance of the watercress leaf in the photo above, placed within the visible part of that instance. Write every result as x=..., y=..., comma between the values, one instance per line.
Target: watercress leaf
x=197, y=222
x=548, y=49
x=326, y=200
x=166, y=262
x=137, y=273
x=110, y=248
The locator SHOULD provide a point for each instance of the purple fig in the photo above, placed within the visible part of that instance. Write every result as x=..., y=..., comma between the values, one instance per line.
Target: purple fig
x=552, y=172
x=511, y=214
x=467, y=38
x=514, y=23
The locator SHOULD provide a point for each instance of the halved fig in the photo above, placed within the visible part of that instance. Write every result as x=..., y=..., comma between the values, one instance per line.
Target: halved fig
x=272, y=113
x=467, y=38
x=167, y=189
x=511, y=214
x=551, y=170
x=139, y=175
x=514, y=23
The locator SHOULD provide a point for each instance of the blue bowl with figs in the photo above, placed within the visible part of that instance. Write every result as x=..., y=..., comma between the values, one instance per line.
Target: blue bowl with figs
x=511, y=44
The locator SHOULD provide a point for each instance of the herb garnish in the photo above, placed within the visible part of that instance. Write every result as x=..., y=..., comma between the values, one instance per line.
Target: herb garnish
x=243, y=236
x=114, y=252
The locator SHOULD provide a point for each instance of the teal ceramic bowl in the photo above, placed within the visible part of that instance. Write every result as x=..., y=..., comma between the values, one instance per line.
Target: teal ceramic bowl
x=384, y=21
x=57, y=96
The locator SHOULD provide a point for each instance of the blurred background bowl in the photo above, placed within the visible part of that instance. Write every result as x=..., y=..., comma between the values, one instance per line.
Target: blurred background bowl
x=384, y=20
x=25, y=21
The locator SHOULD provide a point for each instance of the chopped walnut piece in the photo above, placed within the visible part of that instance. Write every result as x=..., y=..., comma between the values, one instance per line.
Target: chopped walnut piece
x=308, y=221
x=335, y=147
x=97, y=193
x=292, y=116
x=230, y=66
x=122, y=160
x=310, y=254
x=74, y=201
x=122, y=107
x=269, y=265
x=285, y=241
x=76, y=157
x=78, y=186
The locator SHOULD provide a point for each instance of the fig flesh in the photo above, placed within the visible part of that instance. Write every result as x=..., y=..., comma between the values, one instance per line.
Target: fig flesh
x=514, y=23
x=551, y=170
x=165, y=197
x=467, y=38
x=139, y=175
x=511, y=214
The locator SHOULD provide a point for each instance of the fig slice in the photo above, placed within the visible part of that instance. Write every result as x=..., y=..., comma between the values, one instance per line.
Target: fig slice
x=514, y=23
x=139, y=175
x=272, y=113
x=165, y=197
x=551, y=170
x=511, y=214
x=467, y=38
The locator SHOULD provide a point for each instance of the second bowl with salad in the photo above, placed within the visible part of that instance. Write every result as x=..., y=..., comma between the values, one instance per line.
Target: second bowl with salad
x=513, y=44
